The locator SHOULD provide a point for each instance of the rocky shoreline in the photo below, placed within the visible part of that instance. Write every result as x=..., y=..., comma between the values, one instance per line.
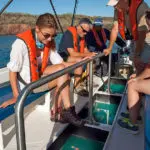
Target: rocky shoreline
x=13, y=23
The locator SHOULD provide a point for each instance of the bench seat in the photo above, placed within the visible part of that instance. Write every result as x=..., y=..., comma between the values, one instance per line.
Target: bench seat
x=6, y=93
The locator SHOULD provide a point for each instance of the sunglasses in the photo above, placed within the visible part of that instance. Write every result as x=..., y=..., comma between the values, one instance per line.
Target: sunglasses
x=83, y=29
x=148, y=14
x=47, y=36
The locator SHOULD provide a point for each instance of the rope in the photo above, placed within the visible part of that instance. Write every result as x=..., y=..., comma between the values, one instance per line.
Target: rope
x=74, y=12
x=56, y=16
x=8, y=3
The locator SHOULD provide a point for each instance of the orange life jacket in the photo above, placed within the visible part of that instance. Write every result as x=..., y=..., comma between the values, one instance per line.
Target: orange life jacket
x=98, y=41
x=73, y=30
x=132, y=16
x=29, y=40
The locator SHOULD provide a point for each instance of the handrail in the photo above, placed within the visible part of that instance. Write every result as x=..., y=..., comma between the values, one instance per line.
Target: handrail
x=2, y=10
x=19, y=107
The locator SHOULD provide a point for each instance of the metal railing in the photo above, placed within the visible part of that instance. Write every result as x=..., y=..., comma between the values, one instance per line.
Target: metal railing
x=19, y=107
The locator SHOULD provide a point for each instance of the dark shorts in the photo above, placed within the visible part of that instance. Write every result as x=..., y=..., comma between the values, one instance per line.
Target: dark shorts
x=64, y=56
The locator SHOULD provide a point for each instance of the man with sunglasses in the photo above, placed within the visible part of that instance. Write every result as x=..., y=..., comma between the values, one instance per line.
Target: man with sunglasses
x=73, y=48
x=129, y=17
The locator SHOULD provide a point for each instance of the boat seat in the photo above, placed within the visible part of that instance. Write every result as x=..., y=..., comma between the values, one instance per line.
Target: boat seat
x=6, y=93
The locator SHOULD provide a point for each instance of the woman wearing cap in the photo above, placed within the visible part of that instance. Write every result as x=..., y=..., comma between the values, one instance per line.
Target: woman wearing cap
x=29, y=60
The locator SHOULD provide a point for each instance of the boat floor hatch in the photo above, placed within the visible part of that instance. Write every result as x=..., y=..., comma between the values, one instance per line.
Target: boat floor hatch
x=117, y=85
x=84, y=138
x=105, y=108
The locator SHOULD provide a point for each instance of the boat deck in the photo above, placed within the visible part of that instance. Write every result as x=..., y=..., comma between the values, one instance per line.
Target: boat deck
x=38, y=123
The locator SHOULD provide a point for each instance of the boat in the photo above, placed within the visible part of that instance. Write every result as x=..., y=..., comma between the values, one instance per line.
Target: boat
x=27, y=124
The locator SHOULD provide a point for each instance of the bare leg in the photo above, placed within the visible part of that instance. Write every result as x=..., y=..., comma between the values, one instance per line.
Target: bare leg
x=77, y=71
x=64, y=94
x=134, y=88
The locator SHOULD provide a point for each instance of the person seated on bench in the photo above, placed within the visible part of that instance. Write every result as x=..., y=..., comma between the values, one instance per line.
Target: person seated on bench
x=138, y=84
x=29, y=60
x=73, y=48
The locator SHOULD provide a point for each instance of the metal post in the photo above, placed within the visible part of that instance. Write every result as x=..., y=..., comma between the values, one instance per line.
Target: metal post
x=90, y=91
x=56, y=16
x=19, y=121
x=8, y=3
x=109, y=73
x=74, y=12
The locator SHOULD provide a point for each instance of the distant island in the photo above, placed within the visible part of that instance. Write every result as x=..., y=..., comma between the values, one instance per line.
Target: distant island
x=13, y=23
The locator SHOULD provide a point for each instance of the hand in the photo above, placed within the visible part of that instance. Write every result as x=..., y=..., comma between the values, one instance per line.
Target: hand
x=90, y=55
x=133, y=76
x=107, y=51
x=9, y=102
x=132, y=80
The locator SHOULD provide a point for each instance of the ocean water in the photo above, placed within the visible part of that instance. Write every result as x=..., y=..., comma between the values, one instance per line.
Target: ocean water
x=6, y=43
x=5, y=47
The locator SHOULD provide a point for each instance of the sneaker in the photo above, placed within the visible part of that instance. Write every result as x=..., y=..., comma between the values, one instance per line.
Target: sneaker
x=126, y=115
x=69, y=115
x=126, y=124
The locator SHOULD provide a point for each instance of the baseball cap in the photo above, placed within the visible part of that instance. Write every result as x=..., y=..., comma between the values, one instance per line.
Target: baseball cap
x=112, y=2
x=98, y=21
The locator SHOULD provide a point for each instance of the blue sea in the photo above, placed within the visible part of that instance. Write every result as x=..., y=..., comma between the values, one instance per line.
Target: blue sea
x=6, y=43
x=5, y=47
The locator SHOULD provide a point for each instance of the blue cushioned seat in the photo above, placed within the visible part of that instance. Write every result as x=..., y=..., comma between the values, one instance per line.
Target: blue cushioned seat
x=6, y=93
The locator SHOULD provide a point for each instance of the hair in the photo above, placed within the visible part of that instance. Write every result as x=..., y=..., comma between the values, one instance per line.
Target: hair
x=147, y=14
x=85, y=21
x=46, y=20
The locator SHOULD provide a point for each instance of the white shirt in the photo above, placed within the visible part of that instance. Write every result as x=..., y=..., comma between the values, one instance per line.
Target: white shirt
x=19, y=60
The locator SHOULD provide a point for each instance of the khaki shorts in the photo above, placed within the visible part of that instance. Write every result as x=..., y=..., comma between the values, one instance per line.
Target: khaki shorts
x=42, y=88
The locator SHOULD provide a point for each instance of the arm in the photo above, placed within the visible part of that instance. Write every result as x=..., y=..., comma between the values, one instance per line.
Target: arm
x=78, y=54
x=13, y=82
x=113, y=37
x=14, y=66
x=140, y=42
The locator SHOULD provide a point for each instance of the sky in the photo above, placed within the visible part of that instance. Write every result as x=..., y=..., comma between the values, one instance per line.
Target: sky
x=85, y=7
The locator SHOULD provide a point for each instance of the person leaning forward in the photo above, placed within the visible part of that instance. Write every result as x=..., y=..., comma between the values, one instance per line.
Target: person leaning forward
x=29, y=61
x=73, y=48
x=129, y=16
